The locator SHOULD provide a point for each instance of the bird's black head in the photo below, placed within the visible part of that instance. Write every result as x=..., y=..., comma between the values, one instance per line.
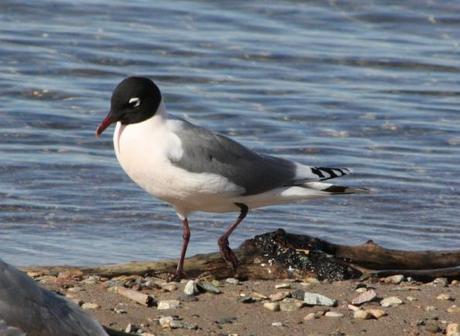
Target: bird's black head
x=134, y=100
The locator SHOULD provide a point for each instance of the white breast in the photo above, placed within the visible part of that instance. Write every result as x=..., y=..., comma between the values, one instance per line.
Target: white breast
x=143, y=150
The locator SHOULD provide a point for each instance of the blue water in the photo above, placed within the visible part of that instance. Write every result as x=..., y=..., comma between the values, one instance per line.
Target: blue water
x=371, y=85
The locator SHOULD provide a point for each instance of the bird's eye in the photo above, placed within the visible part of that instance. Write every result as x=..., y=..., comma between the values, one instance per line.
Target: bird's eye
x=134, y=102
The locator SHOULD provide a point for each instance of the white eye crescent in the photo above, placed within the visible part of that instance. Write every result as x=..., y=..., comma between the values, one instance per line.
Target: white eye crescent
x=134, y=102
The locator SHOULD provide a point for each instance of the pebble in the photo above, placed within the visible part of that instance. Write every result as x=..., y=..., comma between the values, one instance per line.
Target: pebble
x=91, y=280
x=311, y=280
x=232, y=281
x=445, y=296
x=289, y=305
x=440, y=281
x=364, y=297
x=394, y=279
x=119, y=311
x=130, y=328
x=226, y=320
x=352, y=307
x=333, y=314
x=169, y=286
x=314, y=299
x=89, y=305
x=453, y=309
x=277, y=324
x=283, y=286
x=259, y=296
x=273, y=306
x=279, y=296
x=75, y=289
x=168, y=304
x=310, y=316
x=430, y=308
x=376, y=313
x=362, y=314
x=246, y=299
x=411, y=298
x=165, y=321
x=391, y=301
x=453, y=329
x=191, y=288
x=208, y=287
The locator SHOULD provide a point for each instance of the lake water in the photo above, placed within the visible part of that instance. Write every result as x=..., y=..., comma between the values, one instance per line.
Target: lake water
x=370, y=85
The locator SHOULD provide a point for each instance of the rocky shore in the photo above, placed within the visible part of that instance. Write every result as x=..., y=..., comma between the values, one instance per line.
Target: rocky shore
x=145, y=305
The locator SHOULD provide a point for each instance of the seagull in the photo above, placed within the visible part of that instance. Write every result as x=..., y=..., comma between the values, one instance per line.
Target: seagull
x=195, y=169
x=27, y=308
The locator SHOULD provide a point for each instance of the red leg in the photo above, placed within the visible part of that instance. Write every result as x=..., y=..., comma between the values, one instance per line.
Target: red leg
x=186, y=237
x=224, y=247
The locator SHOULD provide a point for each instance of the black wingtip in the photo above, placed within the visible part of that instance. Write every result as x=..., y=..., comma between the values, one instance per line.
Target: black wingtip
x=325, y=173
x=334, y=189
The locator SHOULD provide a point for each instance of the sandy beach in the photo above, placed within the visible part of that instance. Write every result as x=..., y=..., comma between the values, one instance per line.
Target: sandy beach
x=388, y=306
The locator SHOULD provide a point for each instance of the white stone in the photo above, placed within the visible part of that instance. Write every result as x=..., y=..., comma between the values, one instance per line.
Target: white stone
x=89, y=305
x=191, y=288
x=391, y=301
x=394, y=279
x=232, y=281
x=168, y=304
x=333, y=314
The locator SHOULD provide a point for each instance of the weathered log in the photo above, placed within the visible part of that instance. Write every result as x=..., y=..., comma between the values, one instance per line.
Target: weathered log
x=139, y=297
x=280, y=255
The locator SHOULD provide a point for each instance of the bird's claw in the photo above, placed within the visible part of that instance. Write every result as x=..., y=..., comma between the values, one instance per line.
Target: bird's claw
x=227, y=253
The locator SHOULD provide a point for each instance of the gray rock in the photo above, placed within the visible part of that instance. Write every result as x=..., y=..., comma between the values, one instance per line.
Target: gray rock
x=443, y=282
x=191, y=288
x=208, y=287
x=246, y=299
x=226, y=320
x=315, y=299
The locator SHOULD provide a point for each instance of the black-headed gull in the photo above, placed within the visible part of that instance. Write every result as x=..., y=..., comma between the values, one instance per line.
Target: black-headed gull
x=195, y=169
x=27, y=308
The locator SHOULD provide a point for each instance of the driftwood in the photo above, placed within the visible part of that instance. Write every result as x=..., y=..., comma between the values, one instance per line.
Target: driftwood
x=136, y=296
x=281, y=255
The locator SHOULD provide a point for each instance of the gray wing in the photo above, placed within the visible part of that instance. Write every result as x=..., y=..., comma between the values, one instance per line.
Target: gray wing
x=38, y=311
x=205, y=151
